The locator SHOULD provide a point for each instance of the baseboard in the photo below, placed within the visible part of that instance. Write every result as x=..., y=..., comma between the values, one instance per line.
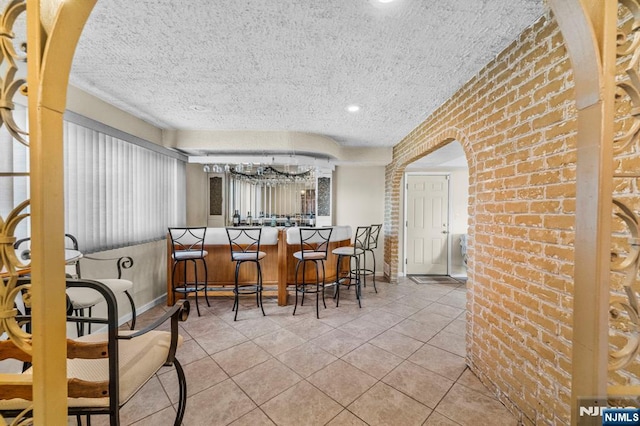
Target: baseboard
x=458, y=276
x=142, y=309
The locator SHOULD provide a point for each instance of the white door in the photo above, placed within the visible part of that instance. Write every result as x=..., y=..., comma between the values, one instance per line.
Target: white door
x=427, y=224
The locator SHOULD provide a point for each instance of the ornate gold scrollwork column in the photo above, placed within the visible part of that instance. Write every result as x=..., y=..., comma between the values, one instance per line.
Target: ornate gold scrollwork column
x=589, y=30
x=625, y=255
x=10, y=265
x=53, y=30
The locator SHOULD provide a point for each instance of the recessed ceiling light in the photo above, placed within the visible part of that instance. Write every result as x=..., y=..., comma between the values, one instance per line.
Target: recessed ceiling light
x=353, y=108
x=385, y=1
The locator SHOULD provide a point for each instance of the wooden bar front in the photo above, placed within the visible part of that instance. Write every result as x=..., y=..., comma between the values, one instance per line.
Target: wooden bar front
x=278, y=269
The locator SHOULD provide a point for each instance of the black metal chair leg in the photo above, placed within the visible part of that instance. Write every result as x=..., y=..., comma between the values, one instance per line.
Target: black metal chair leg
x=296, y=285
x=195, y=283
x=358, y=282
x=364, y=268
x=338, y=281
x=374, y=271
x=89, y=324
x=259, y=289
x=182, y=389
x=304, y=281
x=317, y=290
x=173, y=279
x=236, y=291
x=323, y=284
x=206, y=281
x=133, y=310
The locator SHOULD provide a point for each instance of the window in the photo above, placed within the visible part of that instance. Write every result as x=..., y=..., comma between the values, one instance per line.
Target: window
x=118, y=193
x=119, y=190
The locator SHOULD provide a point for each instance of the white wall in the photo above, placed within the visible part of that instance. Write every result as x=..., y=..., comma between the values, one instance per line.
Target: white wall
x=359, y=200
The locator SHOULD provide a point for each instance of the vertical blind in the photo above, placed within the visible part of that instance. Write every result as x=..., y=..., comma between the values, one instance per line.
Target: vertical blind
x=118, y=193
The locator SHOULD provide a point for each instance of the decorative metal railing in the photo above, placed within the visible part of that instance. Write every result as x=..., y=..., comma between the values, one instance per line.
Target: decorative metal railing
x=624, y=307
x=12, y=70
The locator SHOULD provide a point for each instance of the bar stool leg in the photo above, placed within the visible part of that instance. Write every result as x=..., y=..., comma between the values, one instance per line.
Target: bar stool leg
x=259, y=289
x=195, y=270
x=317, y=290
x=195, y=280
x=236, y=304
x=258, y=284
x=296, y=289
x=358, y=281
x=337, y=295
x=364, y=267
x=304, y=282
x=323, y=284
x=373, y=256
x=206, y=282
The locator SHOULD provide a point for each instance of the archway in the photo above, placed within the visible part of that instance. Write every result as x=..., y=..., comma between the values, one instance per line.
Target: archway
x=441, y=253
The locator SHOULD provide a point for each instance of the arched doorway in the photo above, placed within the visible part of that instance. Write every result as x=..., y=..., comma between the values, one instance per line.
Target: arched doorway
x=435, y=212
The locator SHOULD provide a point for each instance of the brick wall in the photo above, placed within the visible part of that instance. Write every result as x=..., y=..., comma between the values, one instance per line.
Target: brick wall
x=516, y=123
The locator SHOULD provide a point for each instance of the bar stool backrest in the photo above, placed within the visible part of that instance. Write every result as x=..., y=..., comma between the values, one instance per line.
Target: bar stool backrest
x=244, y=240
x=361, y=239
x=187, y=240
x=373, y=236
x=315, y=240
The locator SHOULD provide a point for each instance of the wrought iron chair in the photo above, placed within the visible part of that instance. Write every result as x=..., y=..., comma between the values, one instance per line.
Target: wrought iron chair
x=353, y=252
x=105, y=369
x=84, y=299
x=187, y=246
x=314, y=244
x=244, y=243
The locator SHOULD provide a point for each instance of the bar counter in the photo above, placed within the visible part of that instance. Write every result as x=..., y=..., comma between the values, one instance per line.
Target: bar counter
x=278, y=267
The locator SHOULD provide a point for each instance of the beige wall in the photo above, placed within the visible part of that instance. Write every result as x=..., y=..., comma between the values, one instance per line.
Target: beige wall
x=148, y=273
x=197, y=195
x=359, y=200
x=89, y=106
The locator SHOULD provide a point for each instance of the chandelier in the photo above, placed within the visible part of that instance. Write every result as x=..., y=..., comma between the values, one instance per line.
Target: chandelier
x=264, y=175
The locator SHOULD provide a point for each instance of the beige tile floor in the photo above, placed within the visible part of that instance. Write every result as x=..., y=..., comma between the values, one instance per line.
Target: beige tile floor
x=398, y=360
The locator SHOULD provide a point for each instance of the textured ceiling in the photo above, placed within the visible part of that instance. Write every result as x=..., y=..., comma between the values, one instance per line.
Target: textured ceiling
x=292, y=65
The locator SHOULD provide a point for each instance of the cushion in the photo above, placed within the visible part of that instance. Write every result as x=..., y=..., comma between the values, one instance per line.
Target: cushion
x=310, y=255
x=249, y=255
x=189, y=254
x=83, y=298
x=116, y=285
x=347, y=251
x=139, y=360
